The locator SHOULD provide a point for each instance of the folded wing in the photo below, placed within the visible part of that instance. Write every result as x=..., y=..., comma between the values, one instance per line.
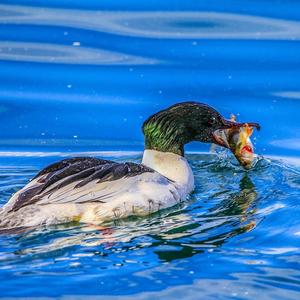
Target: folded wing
x=77, y=180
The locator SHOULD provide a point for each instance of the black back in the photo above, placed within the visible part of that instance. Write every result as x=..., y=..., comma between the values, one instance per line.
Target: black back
x=82, y=170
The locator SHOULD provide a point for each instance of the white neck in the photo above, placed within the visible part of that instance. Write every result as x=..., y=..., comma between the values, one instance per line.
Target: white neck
x=172, y=166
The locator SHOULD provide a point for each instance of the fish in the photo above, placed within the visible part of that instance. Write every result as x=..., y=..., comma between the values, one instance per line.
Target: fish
x=237, y=140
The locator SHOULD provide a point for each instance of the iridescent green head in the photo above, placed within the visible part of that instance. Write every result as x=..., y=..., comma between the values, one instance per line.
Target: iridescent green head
x=170, y=129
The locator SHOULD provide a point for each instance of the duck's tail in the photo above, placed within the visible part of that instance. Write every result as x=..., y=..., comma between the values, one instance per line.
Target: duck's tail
x=4, y=219
x=8, y=224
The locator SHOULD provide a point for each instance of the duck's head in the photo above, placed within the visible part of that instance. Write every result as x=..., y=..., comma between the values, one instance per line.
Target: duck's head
x=170, y=129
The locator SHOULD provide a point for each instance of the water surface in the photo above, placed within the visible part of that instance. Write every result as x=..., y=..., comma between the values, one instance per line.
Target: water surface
x=81, y=77
x=239, y=231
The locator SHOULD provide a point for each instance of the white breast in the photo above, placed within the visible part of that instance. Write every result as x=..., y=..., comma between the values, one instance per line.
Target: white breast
x=172, y=166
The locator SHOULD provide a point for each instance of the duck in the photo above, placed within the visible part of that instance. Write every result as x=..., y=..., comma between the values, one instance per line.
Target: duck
x=93, y=190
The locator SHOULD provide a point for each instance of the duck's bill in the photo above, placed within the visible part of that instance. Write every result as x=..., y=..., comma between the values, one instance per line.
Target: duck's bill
x=236, y=137
x=228, y=124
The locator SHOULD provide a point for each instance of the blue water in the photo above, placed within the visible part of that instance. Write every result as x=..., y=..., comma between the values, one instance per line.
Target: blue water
x=79, y=78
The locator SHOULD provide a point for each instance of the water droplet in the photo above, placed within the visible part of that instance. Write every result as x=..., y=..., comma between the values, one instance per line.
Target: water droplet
x=118, y=265
x=75, y=264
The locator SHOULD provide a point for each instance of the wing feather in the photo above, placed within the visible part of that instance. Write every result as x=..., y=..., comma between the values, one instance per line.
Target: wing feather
x=76, y=179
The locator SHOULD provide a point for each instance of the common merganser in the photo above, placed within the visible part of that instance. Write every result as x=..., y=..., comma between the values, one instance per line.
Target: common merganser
x=92, y=190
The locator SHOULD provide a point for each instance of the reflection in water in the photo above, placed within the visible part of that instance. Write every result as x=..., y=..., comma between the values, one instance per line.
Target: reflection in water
x=171, y=230
x=225, y=220
x=220, y=223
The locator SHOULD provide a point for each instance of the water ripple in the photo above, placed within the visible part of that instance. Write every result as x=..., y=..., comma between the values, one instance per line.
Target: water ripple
x=169, y=25
x=72, y=54
x=233, y=221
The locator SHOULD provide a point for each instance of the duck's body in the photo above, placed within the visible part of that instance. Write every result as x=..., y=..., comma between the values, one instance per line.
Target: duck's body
x=92, y=190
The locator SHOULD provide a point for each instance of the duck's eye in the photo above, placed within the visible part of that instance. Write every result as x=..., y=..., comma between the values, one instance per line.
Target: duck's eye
x=212, y=121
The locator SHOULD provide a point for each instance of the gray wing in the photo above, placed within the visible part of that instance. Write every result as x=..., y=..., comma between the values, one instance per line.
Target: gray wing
x=81, y=170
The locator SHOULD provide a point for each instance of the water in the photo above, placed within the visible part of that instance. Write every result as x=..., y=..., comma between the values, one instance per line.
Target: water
x=80, y=77
x=238, y=232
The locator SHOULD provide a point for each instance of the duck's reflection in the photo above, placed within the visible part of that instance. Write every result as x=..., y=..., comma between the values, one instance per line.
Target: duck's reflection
x=173, y=235
x=230, y=217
